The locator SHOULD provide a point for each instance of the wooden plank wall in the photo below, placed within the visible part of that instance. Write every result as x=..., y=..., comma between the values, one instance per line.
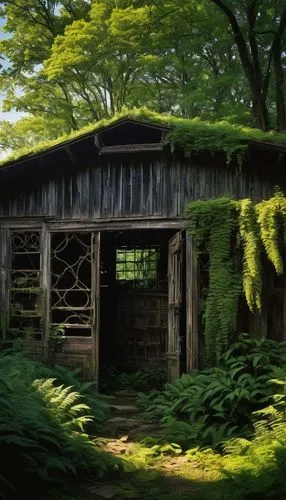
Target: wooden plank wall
x=3, y=280
x=129, y=187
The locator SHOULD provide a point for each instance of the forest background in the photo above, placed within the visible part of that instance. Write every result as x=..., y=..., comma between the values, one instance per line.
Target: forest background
x=67, y=63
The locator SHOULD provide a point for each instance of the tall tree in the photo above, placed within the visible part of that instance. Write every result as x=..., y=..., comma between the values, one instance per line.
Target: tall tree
x=71, y=62
x=250, y=20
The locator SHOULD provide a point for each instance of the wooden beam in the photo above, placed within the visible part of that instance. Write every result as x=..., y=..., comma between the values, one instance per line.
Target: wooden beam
x=71, y=156
x=3, y=281
x=192, y=306
x=131, y=148
x=96, y=306
x=121, y=224
x=46, y=279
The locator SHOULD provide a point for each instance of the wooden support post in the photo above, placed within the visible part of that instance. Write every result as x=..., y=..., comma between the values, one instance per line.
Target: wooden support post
x=46, y=278
x=96, y=306
x=192, y=305
x=4, y=302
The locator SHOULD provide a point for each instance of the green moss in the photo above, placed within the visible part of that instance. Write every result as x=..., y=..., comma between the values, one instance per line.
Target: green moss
x=192, y=134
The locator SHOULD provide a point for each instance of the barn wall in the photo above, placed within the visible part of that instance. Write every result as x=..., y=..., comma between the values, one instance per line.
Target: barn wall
x=134, y=186
x=3, y=279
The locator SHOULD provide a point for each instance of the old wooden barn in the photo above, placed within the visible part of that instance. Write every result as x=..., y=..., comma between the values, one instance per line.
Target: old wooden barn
x=93, y=242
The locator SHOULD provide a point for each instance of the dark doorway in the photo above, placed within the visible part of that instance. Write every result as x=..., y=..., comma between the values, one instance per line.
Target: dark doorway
x=134, y=300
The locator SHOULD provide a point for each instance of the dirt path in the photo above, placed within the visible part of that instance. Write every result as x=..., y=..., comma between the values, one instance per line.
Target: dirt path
x=150, y=473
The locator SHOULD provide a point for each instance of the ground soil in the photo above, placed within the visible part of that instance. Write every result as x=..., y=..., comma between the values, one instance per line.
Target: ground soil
x=147, y=476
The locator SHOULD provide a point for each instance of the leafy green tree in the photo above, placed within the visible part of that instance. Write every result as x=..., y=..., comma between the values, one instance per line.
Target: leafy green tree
x=99, y=64
x=76, y=61
x=32, y=26
x=258, y=28
x=28, y=131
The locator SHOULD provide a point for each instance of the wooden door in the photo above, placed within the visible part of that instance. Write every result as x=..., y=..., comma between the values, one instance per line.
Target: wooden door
x=174, y=305
x=75, y=298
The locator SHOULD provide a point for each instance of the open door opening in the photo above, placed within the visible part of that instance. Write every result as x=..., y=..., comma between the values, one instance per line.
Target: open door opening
x=136, y=313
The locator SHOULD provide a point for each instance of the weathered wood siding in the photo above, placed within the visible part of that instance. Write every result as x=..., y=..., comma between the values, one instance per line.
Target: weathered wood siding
x=3, y=280
x=133, y=186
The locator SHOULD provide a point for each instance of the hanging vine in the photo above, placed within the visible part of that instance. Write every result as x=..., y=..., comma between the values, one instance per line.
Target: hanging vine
x=214, y=225
x=250, y=237
x=234, y=234
x=270, y=215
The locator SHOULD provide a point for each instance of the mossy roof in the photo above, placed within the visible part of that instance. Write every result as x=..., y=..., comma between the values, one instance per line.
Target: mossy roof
x=191, y=134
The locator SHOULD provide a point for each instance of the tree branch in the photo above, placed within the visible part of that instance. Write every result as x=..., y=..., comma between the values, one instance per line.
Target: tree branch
x=239, y=40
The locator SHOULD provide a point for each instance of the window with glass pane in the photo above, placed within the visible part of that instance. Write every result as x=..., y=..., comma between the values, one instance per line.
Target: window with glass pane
x=138, y=266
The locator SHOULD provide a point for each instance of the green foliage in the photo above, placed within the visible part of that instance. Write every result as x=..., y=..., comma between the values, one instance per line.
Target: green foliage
x=141, y=380
x=92, y=58
x=256, y=468
x=232, y=236
x=192, y=134
x=249, y=233
x=56, y=337
x=42, y=433
x=270, y=213
x=209, y=406
x=214, y=224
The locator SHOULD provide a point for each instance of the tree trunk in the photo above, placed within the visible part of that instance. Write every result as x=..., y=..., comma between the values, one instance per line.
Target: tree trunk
x=259, y=109
x=249, y=57
x=279, y=85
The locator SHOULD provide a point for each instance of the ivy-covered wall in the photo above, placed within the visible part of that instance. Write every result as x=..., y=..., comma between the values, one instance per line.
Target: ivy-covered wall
x=235, y=238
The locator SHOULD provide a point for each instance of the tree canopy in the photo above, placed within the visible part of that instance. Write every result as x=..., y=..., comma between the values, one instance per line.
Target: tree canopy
x=71, y=62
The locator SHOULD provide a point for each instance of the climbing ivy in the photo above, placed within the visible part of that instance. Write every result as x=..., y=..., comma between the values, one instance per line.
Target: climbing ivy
x=233, y=235
x=214, y=226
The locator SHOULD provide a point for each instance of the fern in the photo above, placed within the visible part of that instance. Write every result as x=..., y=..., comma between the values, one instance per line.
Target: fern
x=228, y=233
x=249, y=233
x=268, y=219
x=42, y=431
x=209, y=406
x=213, y=225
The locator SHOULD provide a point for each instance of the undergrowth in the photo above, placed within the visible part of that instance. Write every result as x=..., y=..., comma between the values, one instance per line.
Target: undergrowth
x=250, y=468
x=235, y=237
x=43, y=441
x=141, y=381
x=212, y=405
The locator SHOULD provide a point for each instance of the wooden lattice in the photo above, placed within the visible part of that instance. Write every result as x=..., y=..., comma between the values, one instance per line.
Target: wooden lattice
x=26, y=285
x=72, y=304
x=143, y=320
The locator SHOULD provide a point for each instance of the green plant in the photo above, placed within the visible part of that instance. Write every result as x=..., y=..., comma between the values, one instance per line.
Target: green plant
x=56, y=337
x=213, y=226
x=193, y=134
x=141, y=380
x=233, y=236
x=42, y=431
x=257, y=466
x=209, y=406
x=249, y=233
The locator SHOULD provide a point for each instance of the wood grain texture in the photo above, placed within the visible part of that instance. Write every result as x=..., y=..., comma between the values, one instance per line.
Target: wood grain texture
x=192, y=306
x=134, y=186
x=3, y=280
x=174, y=306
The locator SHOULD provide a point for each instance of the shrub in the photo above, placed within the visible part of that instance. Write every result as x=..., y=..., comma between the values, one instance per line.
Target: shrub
x=253, y=468
x=42, y=438
x=141, y=380
x=208, y=406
